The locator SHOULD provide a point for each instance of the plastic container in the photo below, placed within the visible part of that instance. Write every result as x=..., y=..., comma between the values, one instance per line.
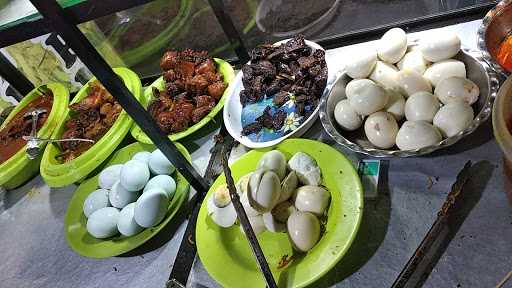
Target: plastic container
x=18, y=169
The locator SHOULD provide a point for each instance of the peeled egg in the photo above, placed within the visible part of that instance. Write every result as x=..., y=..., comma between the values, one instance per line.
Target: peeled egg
x=159, y=164
x=384, y=74
x=220, y=208
x=360, y=63
x=274, y=161
x=314, y=199
x=271, y=223
x=453, y=118
x=381, y=129
x=392, y=46
x=109, y=176
x=257, y=224
x=306, y=168
x=134, y=175
x=443, y=45
x=413, y=60
x=365, y=96
x=102, y=223
x=151, y=207
x=142, y=156
x=164, y=182
x=444, y=69
x=417, y=134
x=96, y=200
x=457, y=88
x=303, y=230
x=264, y=190
x=346, y=116
x=120, y=197
x=421, y=106
x=395, y=105
x=126, y=223
x=411, y=82
x=283, y=210
x=289, y=184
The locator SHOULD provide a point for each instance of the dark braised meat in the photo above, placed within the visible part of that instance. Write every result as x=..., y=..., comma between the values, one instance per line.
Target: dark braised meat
x=192, y=89
x=266, y=120
x=276, y=70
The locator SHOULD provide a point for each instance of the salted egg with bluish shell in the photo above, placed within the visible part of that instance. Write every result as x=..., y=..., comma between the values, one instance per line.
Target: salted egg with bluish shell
x=102, y=223
x=134, y=175
x=109, y=176
x=220, y=208
x=120, y=197
x=164, y=182
x=151, y=207
x=142, y=156
x=126, y=223
x=159, y=164
x=96, y=200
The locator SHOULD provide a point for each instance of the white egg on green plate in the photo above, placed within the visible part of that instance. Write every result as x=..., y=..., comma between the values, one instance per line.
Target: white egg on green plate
x=220, y=208
x=303, y=230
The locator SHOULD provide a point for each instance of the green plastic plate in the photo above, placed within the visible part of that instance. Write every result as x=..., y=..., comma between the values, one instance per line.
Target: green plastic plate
x=229, y=74
x=18, y=169
x=57, y=174
x=225, y=252
x=75, y=223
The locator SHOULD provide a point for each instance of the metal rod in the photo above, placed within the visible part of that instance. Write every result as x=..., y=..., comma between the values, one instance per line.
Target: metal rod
x=14, y=77
x=64, y=26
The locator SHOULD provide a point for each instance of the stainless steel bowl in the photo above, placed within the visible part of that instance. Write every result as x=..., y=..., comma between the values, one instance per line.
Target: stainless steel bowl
x=495, y=27
x=477, y=70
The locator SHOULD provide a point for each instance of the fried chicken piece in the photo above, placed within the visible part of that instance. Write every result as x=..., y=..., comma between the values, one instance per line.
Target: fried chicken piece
x=217, y=89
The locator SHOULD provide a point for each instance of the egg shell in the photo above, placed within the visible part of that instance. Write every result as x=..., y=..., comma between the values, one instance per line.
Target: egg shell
x=96, y=200
x=223, y=216
x=411, y=82
x=384, y=74
x=360, y=62
x=303, y=230
x=306, y=168
x=444, y=69
x=244, y=200
x=109, y=176
x=257, y=224
x=134, y=175
x=457, y=88
x=440, y=45
x=164, y=182
x=151, y=207
x=421, y=106
x=120, y=197
x=142, y=156
x=102, y=223
x=267, y=193
x=392, y=46
x=271, y=223
x=366, y=97
x=395, y=105
x=453, y=118
x=314, y=199
x=283, y=210
x=126, y=223
x=381, y=129
x=273, y=161
x=288, y=186
x=413, y=60
x=346, y=116
x=417, y=134
x=159, y=164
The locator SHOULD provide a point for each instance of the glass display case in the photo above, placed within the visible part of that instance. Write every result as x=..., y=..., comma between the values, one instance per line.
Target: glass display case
x=352, y=163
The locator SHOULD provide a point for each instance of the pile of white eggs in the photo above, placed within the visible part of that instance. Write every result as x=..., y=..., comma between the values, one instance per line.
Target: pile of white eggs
x=128, y=199
x=420, y=83
x=278, y=197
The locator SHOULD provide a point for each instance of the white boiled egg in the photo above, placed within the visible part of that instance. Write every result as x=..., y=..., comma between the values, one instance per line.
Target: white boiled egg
x=288, y=185
x=395, y=105
x=164, y=182
x=102, y=223
x=220, y=208
x=126, y=223
x=306, y=168
x=346, y=116
x=120, y=197
x=314, y=199
x=244, y=200
x=273, y=161
x=96, y=200
x=384, y=74
x=417, y=134
x=360, y=62
x=380, y=129
x=159, y=164
x=109, y=176
x=413, y=60
x=264, y=190
x=444, y=69
x=257, y=224
x=303, y=230
x=151, y=207
x=453, y=118
x=366, y=97
x=392, y=46
x=421, y=106
x=411, y=82
x=440, y=46
x=457, y=88
x=142, y=156
x=271, y=223
x=134, y=175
